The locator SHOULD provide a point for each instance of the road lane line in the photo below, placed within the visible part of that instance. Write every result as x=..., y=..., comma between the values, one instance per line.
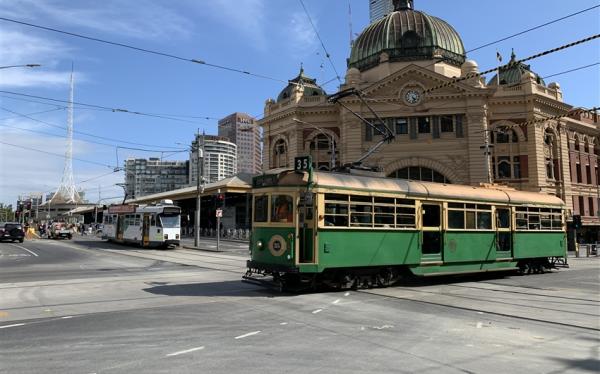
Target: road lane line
x=336, y=301
x=184, y=352
x=66, y=317
x=248, y=334
x=317, y=311
x=15, y=325
x=18, y=246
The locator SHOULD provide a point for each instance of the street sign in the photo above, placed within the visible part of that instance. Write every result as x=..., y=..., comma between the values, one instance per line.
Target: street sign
x=303, y=163
x=219, y=213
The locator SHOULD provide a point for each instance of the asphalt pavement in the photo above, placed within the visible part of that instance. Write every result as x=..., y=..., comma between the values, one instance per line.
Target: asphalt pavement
x=186, y=311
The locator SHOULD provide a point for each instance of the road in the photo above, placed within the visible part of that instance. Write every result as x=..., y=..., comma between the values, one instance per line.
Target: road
x=85, y=306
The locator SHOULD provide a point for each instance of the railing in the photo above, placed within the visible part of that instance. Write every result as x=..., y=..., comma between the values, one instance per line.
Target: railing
x=587, y=249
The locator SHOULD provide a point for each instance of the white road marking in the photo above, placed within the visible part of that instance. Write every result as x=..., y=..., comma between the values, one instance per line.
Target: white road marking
x=246, y=335
x=383, y=327
x=66, y=317
x=18, y=246
x=347, y=294
x=479, y=325
x=283, y=323
x=336, y=301
x=15, y=325
x=317, y=311
x=186, y=351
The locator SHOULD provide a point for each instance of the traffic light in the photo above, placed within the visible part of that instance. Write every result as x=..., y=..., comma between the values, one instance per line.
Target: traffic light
x=577, y=222
x=220, y=200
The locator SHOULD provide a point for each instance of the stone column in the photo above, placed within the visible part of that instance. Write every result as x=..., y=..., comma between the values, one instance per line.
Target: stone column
x=475, y=127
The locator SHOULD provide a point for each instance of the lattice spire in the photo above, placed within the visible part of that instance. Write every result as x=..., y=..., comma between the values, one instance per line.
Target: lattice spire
x=66, y=193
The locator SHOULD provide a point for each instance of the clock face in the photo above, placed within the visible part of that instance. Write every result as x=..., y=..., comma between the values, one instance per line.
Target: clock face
x=412, y=96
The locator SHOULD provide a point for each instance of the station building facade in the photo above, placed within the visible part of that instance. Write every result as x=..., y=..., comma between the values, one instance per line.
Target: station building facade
x=440, y=135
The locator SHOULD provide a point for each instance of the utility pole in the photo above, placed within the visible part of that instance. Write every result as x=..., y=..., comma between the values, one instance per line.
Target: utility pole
x=199, y=186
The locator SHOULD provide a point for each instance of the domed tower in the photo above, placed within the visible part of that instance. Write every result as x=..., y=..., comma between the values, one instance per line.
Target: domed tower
x=406, y=35
x=301, y=86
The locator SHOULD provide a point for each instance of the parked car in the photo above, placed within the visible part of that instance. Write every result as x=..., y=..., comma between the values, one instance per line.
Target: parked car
x=12, y=231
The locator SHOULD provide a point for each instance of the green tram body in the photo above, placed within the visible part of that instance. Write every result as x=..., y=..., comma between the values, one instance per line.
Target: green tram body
x=349, y=229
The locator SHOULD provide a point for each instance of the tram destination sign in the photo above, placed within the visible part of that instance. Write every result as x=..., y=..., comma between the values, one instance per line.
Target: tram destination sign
x=126, y=208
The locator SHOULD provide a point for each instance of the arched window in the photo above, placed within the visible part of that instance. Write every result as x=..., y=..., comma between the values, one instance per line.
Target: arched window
x=504, y=136
x=320, y=149
x=419, y=173
x=506, y=161
x=577, y=147
x=280, y=154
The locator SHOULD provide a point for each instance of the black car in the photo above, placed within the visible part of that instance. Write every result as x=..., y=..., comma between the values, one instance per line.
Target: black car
x=12, y=231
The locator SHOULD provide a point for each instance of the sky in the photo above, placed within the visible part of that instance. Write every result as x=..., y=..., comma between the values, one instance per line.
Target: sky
x=268, y=38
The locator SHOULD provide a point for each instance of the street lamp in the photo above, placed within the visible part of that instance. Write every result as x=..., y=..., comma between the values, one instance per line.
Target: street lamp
x=21, y=66
x=329, y=137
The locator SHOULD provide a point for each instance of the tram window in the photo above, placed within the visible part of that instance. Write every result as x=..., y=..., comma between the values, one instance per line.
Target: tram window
x=405, y=202
x=340, y=221
x=503, y=218
x=484, y=220
x=336, y=208
x=384, y=216
x=456, y=219
x=534, y=222
x=335, y=197
x=153, y=220
x=361, y=215
x=261, y=208
x=470, y=220
x=522, y=221
x=384, y=200
x=282, y=209
x=361, y=199
x=431, y=215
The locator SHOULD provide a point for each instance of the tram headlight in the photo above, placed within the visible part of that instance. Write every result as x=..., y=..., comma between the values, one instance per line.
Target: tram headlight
x=259, y=244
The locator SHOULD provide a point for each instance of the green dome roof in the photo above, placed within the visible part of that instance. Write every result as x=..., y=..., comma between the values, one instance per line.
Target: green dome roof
x=406, y=35
x=311, y=88
x=512, y=75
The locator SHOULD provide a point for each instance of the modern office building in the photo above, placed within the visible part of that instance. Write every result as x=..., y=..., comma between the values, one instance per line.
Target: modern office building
x=379, y=9
x=241, y=130
x=439, y=125
x=153, y=175
x=220, y=158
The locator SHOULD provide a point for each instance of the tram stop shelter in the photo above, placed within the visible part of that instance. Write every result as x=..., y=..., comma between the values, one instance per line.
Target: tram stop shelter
x=232, y=195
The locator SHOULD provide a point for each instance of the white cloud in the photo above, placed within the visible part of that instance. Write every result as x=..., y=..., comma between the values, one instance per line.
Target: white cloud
x=248, y=17
x=24, y=170
x=19, y=48
x=302, y=38
x=142, y=19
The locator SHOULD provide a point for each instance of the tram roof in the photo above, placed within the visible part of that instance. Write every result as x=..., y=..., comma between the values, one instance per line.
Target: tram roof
x=495, y=194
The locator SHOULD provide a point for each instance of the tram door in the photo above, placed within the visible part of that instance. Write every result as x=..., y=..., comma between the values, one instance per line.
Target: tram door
x=146, y=230
x=431, y=236
x=504, y=242
x=120, y=227
x=306, y=232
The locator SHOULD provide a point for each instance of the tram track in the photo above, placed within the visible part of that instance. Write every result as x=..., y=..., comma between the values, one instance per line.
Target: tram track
x=486, y=311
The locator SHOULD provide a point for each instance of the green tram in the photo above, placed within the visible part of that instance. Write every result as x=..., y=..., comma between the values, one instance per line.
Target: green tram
x=349, y=231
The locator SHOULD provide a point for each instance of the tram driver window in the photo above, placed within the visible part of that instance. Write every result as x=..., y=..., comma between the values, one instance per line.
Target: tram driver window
x=282, y=209
x=261, y=208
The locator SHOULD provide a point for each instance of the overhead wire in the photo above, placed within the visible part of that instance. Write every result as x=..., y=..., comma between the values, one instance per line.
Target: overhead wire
x=85, y=133
x=533, y=28
x=115, y=110
x=511, y=64
x=320, y=40
x=144, y=50
x=55, y=154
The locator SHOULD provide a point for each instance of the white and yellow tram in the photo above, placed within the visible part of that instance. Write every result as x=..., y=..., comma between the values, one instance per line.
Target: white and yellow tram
x=156, y=225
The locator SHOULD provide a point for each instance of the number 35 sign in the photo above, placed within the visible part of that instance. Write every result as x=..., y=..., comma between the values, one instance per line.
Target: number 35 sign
x=303, y=163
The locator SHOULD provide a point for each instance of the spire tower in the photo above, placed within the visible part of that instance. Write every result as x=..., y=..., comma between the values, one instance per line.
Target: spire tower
x=66, y=193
